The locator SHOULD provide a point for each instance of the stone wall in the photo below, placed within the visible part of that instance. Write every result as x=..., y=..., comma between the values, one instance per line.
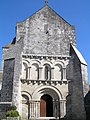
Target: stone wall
x=45, y=32
x=76, y=89
x=84, y=72
x=8, y=75
x=1, y=74
x=45, y=36
x=14, y=51
x=4, y=106
x=87, y=105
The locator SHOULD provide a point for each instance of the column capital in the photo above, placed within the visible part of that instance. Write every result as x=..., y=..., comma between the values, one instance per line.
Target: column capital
x=52, y=68
x=29, y=67
x=40, y=67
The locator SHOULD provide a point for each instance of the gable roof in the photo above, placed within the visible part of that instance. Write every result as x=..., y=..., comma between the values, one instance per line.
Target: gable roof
x=79, y=55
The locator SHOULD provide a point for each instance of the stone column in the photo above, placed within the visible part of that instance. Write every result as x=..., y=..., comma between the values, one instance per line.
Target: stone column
x=34, y=109
x=63, y=108
x=55, y=108
x=40, y=73
x=64, y=74
x=59, y=109
x=52, y=73
x=38, y=109
x=31, y=110
x=28, y=74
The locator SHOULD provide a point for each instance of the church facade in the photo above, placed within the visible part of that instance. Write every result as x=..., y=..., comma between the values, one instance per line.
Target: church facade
x=44, y=74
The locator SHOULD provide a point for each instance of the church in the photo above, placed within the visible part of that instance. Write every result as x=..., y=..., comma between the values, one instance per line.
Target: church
x=44, y=74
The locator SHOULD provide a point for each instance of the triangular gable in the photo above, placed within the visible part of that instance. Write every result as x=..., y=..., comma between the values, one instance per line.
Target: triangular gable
x=48, y=8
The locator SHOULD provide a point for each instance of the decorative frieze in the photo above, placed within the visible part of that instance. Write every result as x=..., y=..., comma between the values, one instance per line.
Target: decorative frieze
x=45, y=57
x=44, y=82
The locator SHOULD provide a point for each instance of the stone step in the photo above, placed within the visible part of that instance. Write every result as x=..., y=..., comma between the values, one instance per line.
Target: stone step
x=44, y=118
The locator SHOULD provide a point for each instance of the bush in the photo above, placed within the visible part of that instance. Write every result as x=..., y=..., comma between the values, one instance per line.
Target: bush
x=13, y=107
x=12, y=112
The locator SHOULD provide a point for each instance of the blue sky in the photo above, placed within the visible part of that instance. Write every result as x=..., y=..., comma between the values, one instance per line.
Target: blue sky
x=76, y=12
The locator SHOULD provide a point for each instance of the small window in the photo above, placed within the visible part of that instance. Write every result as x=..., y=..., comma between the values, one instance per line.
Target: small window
x=47, y=72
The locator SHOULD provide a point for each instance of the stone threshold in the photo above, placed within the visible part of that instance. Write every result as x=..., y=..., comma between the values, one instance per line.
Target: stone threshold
x=43, y=118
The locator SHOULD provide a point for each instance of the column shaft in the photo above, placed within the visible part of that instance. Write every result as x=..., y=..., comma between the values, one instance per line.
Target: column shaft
x=40, y=73
x=52, y=73
x=64, y=73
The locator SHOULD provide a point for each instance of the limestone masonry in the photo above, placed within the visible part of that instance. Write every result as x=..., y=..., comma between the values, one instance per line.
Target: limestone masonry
x=44, y=74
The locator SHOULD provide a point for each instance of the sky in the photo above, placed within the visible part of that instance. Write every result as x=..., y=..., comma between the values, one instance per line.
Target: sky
x=76, y=12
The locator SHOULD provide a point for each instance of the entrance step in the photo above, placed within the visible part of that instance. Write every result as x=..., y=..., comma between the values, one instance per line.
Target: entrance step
x=44, y=118
x=48, y=118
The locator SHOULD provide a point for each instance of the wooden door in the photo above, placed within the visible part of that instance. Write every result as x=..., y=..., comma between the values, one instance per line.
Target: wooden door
x=43, y=106
x=46, y=106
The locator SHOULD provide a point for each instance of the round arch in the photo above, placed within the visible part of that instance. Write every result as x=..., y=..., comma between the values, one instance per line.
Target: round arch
x=59, y=63
x=27, y=94
x=47, y=62
x=37, y=62
x=52, y=91
x=26, y=62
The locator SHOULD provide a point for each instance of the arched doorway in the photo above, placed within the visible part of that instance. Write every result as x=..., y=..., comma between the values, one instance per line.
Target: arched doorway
x=46, y=106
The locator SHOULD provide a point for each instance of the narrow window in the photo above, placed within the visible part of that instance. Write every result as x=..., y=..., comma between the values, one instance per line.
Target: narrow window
x=47, y=72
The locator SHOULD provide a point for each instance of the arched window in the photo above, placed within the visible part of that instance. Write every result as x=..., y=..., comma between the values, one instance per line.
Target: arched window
x=58, y=72
x=25, y=71
x=47, y=72
x=34, y=71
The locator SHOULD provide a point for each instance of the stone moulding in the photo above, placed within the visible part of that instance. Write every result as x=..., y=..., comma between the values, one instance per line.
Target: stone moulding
x=32, y=56
x=44, y=81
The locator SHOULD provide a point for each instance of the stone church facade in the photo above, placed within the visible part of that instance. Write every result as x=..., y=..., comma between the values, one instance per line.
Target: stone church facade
x=44, y=74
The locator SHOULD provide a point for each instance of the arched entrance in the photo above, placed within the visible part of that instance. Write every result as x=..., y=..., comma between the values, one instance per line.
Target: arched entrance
x=46, y=106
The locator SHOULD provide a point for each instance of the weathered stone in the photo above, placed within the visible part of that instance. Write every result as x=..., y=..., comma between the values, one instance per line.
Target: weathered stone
x=43, y=64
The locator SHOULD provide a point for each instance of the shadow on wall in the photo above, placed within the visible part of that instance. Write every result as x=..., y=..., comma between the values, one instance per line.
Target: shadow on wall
x=87, y=105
